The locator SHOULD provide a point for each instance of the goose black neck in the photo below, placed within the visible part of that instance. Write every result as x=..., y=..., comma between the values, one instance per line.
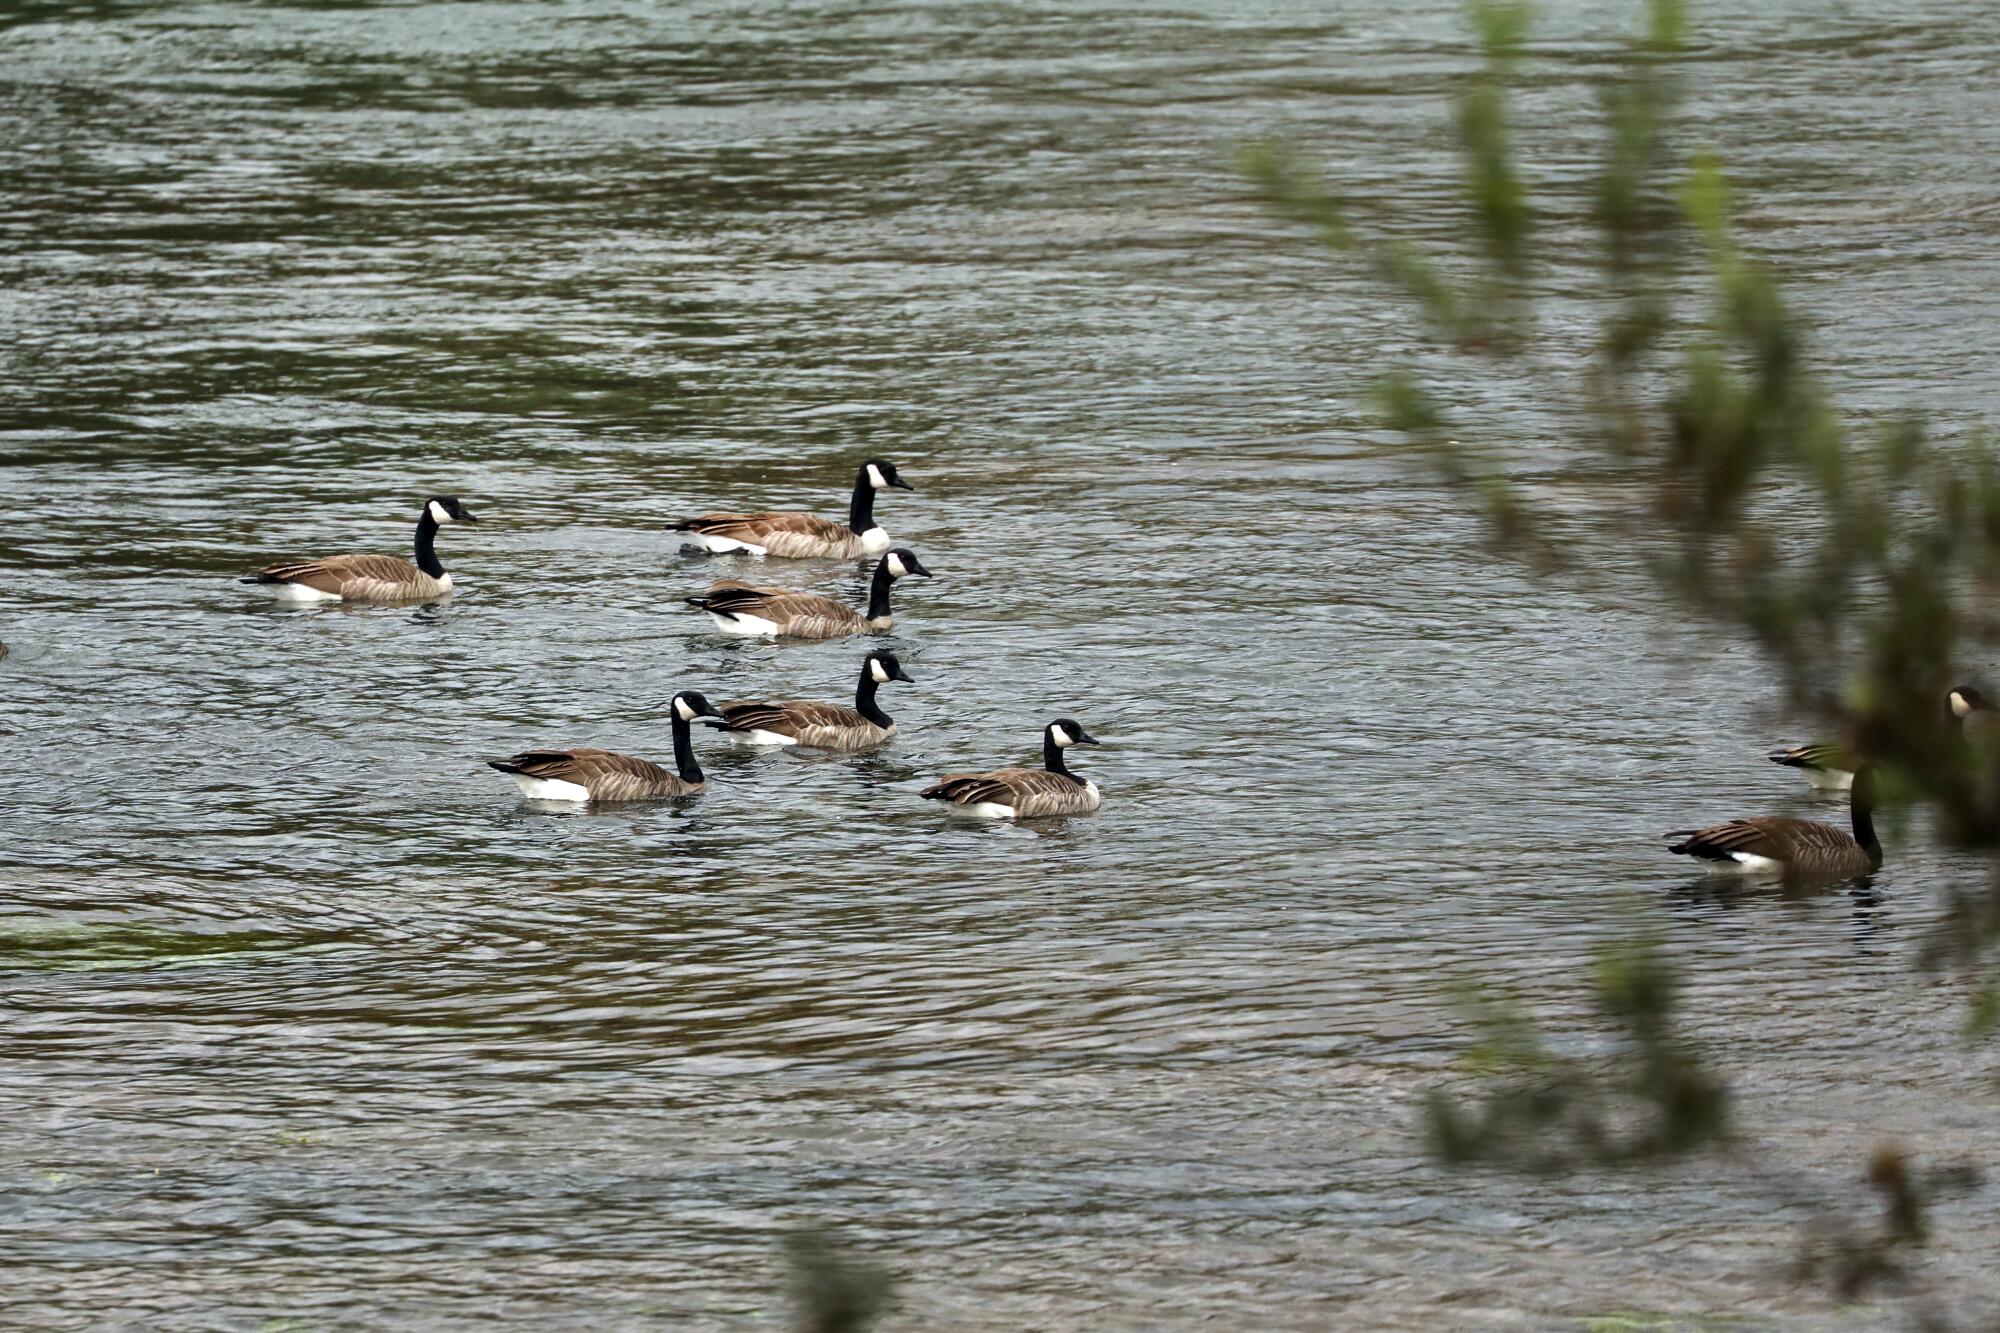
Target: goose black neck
x=427, y=560
x=690, y=771
x=878, y=590
x=1864, y=828
x=1052, y=756
x=864, y=698
x=861, y=509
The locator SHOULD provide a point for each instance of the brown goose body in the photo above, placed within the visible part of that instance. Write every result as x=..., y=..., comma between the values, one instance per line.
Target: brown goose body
x=788, y=536
x=1792, y=848
x=372, y=578
x=587, y=774
x=795, y=535
x=601, y=775
x=1024, y=793
x=744, y=609
x=801, y=722
x=819, y=725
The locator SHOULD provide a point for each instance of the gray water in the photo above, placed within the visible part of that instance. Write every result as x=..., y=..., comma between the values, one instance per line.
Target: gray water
x=310, y=1022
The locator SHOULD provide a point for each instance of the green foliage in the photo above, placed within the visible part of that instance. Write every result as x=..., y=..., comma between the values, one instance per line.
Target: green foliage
x=1650, y=1098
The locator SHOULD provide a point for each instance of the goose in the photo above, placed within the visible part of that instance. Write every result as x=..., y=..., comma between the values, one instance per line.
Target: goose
x=822, y=726
x=1830, y=766
x=798, y=536
x=1024, y=793
x=601, y=775
x=740, y=609
x=1793, y=848
x=372, y=578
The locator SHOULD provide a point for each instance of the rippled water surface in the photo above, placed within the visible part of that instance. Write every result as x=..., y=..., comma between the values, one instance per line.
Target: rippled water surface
x=308, y=1017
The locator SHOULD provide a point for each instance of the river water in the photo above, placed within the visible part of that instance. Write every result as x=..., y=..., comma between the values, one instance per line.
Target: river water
x=311, y=1023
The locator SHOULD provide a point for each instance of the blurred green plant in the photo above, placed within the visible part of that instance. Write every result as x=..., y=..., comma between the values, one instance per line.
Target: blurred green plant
x=831, y=1290
x=1650, y=1098
x=1862, y=559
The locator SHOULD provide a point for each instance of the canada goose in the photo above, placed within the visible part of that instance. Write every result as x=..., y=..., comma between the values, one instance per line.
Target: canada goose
x=1024, y=793
x=1826, y=765
x=1831, y=766
x=600, y=775
x=372, y=578
x=738, y=608
x=1793, y=848
x=799, y=535
x=822, y=726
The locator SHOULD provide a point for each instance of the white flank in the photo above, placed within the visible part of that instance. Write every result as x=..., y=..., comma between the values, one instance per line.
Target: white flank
x=758, y=736
x=548, y=789
x=299, y=592
x=444, y=582
x=875, y=540
x=981, y=810
x=746, y=627
x=722, y=545
x=1746, y=863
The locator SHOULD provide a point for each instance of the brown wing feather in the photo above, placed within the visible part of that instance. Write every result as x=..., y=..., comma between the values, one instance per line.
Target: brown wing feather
x=801, y=615
x=746, y=715
x=1824, y=755
x=606, y=775
x=1776, y=838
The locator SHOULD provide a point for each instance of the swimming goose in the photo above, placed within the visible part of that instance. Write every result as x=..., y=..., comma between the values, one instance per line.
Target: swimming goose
x=821, y=726
x=1831, y=766
x=372, y=578
x=1024, y=793
x=1827, y=765
x=739, y=608
x=600, y=775
x=1793, y=848
x=799, y=535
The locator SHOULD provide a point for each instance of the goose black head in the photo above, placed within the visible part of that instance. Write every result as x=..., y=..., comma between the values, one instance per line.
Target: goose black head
x=1067, y=731
x=446, y=509
x=1965, y=700
x=902, y=561
x=883, y=668
x=691, y=704
x=882, y=475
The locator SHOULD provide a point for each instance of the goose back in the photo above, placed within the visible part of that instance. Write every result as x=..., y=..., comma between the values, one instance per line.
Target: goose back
x=603, y=774
x=1025, y=792
x=793, y=536
x=359, y=578
x=818, y=725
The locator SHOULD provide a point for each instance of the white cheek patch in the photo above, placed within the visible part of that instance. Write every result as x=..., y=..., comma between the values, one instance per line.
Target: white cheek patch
x=438, y=513
x=1959, y=705
x=896, y=566
x=875, y=477
x=1062, y=737
x=876, y=670
x=681, y=707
